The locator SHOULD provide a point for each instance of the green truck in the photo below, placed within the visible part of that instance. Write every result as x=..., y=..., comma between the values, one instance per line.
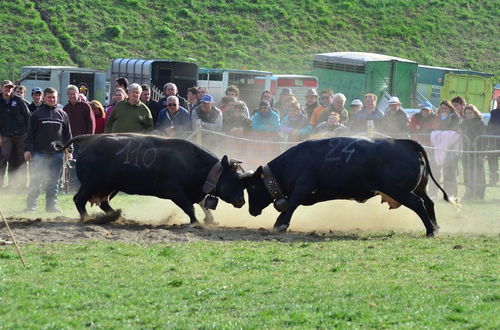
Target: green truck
x=355, y=74
x=437, y=84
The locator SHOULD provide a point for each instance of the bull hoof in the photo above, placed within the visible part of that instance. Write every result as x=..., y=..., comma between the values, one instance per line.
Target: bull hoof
x=281, y=228
x=430, y=234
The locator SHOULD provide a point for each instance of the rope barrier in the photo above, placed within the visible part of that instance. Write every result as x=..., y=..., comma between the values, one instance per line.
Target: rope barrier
x=228, y=136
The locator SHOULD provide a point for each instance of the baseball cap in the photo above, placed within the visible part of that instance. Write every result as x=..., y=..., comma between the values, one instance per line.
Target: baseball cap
x=394, y=100
x=36, y=90
x=7, y=83
x=357, y=102
x=207, y=98
x=427, y=105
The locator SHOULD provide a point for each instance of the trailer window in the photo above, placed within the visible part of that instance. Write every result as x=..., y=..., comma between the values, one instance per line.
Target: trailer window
x=38, y=76
x=339, y=67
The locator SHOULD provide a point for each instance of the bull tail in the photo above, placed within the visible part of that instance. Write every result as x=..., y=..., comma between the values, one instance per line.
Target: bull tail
x=80, y=140
x=422, y=151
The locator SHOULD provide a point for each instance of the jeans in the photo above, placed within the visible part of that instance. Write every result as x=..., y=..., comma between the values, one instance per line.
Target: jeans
x=12, y=152
x=45, y=170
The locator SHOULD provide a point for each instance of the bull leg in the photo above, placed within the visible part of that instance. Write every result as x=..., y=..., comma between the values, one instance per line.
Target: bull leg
x=104, y=205
x=182, y=201
x=80, y=199
x=417, y=204
x=429, y=206
x=298, y=196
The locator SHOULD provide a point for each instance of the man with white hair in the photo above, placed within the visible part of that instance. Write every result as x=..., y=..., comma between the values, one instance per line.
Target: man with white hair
x=170, y=89
x=80, y=114
x=338, y=103
x=130, y=115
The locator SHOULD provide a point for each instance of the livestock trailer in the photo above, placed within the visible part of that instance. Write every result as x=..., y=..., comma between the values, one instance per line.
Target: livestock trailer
x=298, y=84
x=437, y=84
x=355, y=74
x=251, y=83
x=155, y=73
x=59, y=77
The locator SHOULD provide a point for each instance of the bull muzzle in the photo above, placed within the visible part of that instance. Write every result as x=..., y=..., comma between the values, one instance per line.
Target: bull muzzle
x=239, y=203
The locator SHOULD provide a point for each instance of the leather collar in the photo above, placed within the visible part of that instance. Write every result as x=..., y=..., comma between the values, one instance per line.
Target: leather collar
x=272, y=185
x=212, y=179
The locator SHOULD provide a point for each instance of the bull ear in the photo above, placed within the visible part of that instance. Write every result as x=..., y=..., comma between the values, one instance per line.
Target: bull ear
x=224, y=161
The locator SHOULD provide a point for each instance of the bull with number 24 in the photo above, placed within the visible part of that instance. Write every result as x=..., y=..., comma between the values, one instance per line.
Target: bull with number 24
x=345, y=168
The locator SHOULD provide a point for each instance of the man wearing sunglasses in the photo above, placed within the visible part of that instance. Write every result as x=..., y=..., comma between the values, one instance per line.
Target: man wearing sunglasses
x=174, y=118
x=326, y=101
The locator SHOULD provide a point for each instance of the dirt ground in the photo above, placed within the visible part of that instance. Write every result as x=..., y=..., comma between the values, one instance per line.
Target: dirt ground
x=160, y=222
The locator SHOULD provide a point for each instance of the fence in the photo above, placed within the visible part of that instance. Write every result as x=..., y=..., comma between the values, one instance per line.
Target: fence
x=462, y=165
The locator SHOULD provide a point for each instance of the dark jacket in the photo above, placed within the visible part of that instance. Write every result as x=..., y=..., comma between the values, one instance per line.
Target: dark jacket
x=81, y=118
x=394, y=122
x=155, y=110
x=32, y=107
x=14, y=116
x=47, y=124
x=471, y=129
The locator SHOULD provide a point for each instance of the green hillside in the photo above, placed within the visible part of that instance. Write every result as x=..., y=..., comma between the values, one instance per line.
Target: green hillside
x=275, y=35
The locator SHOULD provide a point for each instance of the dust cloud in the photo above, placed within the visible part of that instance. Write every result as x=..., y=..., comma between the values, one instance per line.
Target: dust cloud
x=340, y=215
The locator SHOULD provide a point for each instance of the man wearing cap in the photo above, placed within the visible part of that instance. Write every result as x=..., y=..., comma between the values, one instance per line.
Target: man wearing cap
x=170, y=89
x=130, y=115
x=280, y=106
x=47, y=124
x=356, y=105
x=14, y=118
x=311, y=102
x=207, y=114
x=36, y=95
x=423, y=123
x=395, y=121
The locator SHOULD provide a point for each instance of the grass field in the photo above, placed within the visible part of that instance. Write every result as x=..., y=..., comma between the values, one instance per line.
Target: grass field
x=276, y=35
x=368, y=279
x=365, y=281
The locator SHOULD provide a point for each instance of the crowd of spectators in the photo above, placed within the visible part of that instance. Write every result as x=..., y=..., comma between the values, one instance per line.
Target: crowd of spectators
x=27, y=129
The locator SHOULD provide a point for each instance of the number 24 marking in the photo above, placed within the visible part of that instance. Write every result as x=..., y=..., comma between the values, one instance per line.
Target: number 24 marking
x=348, y=149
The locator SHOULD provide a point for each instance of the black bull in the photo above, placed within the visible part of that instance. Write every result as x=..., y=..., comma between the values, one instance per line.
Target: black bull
x=345, y=168
x=150, y=165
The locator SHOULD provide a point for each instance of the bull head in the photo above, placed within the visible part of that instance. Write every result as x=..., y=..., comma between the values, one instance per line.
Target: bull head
x=245, y=175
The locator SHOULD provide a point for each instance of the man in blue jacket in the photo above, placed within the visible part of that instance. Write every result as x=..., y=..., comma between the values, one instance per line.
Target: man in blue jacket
x=174, y=118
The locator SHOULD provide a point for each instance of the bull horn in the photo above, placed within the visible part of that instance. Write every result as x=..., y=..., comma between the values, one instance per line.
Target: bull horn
x=246, y=174
x=233, y=162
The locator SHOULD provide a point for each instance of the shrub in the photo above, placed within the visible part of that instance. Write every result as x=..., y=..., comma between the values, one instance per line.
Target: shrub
x=114, y=31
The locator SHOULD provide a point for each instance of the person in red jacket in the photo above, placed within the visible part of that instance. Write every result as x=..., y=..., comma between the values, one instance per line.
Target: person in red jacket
x=100, y=116
x=423, y=123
